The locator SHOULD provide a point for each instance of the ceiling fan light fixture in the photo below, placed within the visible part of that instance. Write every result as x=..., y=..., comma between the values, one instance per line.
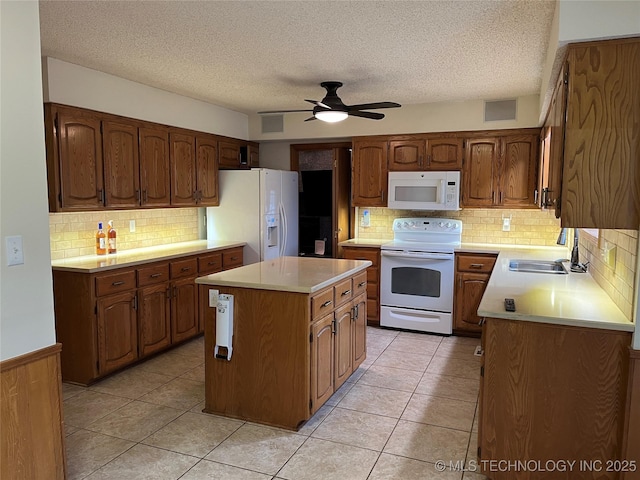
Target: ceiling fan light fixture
x=331, y=116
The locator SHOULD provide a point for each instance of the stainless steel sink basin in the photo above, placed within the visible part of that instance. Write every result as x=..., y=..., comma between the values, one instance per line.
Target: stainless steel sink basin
x=537, y=266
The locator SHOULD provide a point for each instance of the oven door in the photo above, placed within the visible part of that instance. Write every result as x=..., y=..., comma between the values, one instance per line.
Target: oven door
x=419, y=280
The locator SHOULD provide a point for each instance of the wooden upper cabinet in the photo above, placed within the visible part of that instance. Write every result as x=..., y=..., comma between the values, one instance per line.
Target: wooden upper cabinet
x=254, y=156
x=207, y=170
x=80, y=169
x=479, y=175
x=601, y=173
x=518, y=172
x=407, y=155
x=182, y=159
x=229, y=154
x=444, y=153
x=369, y=173
x=154, y=166
x=121, y=164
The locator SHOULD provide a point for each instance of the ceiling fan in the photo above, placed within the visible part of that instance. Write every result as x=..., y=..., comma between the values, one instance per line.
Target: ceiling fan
x=332, y=109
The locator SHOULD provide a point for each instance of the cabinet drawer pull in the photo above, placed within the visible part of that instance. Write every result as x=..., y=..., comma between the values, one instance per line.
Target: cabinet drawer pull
x=234, y=258
x=362, y=284
x=212, y=263
x=346, y=292
x=185, y=269
x=326, y=304
x=155, y=275
x=117, y=284
x=476, y=265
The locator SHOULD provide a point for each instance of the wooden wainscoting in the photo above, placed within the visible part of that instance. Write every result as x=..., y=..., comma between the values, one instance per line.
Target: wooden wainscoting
x=32, y=438
x=631, y=437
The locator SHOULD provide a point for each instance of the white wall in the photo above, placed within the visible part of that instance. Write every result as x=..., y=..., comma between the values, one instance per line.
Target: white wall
x=432, y=117
x=26, y=291
x=71, y=84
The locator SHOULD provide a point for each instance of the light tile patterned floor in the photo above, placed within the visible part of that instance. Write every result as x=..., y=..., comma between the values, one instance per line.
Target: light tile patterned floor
x=413, y=402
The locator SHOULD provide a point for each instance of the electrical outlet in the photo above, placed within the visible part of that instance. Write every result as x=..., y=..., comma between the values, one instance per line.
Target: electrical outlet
x=15, y=255
x=132, y=226
x=506, y=224
x=213, y=297
x=365, y=221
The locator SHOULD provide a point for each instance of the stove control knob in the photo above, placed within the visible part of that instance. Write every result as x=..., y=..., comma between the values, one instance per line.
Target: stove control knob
x=455, y=226
x=449, y=225
x=441, y=224
x=413, y=224
x=405, y=224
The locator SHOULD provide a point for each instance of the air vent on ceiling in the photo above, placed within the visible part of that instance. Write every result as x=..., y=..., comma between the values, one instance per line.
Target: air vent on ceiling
x=272, y=124
x=499, y=110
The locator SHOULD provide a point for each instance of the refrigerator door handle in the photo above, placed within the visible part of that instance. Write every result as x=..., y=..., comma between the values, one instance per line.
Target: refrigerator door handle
x=283, y=244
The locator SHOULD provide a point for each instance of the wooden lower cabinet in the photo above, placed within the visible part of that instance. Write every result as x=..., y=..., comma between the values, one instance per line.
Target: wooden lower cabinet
x=117, y=331
x=291, y=351
x=108, y=320
x=550, y=392
x=373, y=278
x=472, y=276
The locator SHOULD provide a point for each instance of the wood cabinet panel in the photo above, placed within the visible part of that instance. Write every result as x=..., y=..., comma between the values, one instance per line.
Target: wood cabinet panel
x=359, y=330
x=207, y=171
x=551, y=392
x=117, y=331
x=343, y=291
x=322, y=361
x=373, y=278
x=182, y=151
x=184, y=309
x=369, y=174
x=79, y=160
x=154, y=166
x=480, y=172
x=183, y=268
x=445, y=153
x=601, y=179
x=153, y=274
x=121, y=165
x=518, y=173
x=469, y=290
x=232, y=258
x=254, y=156
x=208, y=264
x=407, y=155
x=475, y=263
x=229, y=154
x=154, y=318
x=343, y=344
x=119, y=281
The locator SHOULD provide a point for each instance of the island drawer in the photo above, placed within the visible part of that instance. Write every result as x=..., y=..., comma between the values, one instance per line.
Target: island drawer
x=322, y=303
x=343, y=291
x=116, y=282
x=476, y=263
x=184, y=268
x=359, y=283
x=153, y=274
x=210, y=264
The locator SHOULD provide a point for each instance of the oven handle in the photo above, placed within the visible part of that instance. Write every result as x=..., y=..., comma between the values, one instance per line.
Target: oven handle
x=418, y=255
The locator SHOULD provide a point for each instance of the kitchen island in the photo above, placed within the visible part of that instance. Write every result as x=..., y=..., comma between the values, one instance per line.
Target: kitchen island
x=299, y=331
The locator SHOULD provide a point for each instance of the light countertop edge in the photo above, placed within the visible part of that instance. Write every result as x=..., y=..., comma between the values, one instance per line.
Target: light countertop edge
x=364, y=242
x=287, y=274
x=140, y=256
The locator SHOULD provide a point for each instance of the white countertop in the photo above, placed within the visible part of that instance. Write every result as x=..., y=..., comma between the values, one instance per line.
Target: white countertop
x=138, y=256
x=573, y=300
x=365, y=242
x=287, y=274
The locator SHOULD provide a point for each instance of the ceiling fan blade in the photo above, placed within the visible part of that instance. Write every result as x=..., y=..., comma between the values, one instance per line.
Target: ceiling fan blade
x=317, y=103
x=283, y=111
x=371, y=115
x=374, y=106
x=310, y=118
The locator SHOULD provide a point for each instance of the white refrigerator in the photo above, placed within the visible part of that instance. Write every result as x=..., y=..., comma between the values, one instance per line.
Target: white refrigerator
x=260, y=207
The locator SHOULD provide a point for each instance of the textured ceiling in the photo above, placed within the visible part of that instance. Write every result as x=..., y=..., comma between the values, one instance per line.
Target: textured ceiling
x=265, y=55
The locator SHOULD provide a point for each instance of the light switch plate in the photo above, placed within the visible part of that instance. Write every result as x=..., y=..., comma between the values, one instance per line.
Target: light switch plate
x=15, y=255
x=132, y=226
x=506, y=224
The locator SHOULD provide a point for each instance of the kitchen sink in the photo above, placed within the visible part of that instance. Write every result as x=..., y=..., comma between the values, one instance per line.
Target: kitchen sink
x=537, y=266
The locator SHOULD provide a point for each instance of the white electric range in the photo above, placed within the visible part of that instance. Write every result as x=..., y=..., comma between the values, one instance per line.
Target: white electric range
x=417, y=274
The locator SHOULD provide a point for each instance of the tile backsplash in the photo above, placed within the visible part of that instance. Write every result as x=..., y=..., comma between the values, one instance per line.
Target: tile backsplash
x=479, y=225
x=74, y=234
x=617, y=280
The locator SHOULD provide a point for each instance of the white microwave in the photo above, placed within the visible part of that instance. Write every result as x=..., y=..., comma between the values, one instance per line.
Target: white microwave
x=424, y=190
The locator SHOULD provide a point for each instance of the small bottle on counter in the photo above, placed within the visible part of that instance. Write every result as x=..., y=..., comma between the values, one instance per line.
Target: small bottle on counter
x=101, y=241
x=111, y=236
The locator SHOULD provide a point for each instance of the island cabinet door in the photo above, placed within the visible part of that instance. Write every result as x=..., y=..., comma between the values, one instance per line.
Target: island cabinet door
x=117, y=331
x=343, y=340
x=322, y=354
x=359, y=330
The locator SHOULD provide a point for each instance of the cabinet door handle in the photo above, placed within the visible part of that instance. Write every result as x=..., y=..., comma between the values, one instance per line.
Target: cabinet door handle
x=117, y=284
x=357, y=307
x=535, y=196
x=500, y=197
x=362, y=284
x=382, y=194
x=326, y=304
x=333, y=326
x=135, y=302
x=346, y=292
x=137, y=195
x=155, y=275
x=100, y=195
x=476, y=265
x=428, y=160
x=493, y=197
x=144, y=196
